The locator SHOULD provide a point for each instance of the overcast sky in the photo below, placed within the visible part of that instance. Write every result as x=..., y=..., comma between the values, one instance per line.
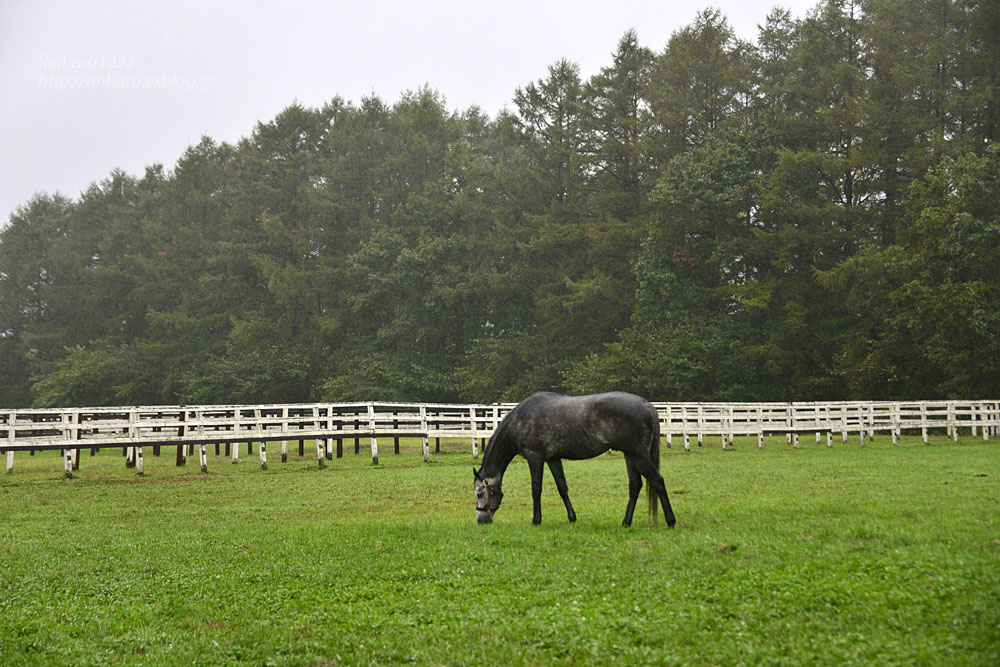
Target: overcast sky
x=88, y=87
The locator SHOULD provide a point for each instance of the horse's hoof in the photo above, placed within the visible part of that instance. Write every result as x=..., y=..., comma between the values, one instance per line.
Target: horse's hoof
x=572, y=518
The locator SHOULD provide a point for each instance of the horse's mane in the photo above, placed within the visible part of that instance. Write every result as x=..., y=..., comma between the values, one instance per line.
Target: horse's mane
x=500, y=435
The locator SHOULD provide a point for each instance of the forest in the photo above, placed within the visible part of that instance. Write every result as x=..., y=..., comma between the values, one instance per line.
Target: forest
x=813, y=215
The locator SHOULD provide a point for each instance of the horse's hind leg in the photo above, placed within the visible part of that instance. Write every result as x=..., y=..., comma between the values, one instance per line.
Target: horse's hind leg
x=557, y=474
x=655, y=479
x=634, y=486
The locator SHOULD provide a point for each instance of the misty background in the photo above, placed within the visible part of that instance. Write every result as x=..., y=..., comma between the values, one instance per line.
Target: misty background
x=95, y=86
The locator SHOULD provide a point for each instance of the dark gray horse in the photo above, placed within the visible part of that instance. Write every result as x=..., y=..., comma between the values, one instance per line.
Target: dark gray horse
x=546, y=428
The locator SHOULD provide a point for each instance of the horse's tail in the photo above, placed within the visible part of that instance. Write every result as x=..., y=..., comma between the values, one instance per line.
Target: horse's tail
x=654, y=455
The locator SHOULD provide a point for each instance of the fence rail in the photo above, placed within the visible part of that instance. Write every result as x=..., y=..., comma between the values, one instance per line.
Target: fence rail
x=186, y=427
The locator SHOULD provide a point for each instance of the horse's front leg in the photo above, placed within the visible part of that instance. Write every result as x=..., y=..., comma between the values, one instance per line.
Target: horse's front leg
x=536, y=465
x=557, y=473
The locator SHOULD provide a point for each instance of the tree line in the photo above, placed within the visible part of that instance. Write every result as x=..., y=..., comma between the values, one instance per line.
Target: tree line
x=810, y=215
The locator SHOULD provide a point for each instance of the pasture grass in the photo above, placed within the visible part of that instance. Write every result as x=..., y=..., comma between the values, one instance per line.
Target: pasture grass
x=849, y=555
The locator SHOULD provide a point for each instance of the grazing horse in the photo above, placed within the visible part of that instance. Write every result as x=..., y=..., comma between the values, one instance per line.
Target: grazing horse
x=547, y=428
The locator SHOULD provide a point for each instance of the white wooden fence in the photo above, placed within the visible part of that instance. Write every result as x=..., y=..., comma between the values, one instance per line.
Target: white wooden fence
x=863, y=419
x=195, y=427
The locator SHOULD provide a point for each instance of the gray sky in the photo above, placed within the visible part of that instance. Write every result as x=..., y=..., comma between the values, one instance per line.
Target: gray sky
x=87, y=87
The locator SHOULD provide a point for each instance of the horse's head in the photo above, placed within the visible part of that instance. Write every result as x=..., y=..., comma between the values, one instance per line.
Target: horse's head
x=488, y=496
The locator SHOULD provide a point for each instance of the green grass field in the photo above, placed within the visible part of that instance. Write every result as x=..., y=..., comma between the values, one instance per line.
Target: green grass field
x=876, y=555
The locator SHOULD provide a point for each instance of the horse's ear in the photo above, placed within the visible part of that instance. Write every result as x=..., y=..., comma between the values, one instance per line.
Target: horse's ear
x=475, y=473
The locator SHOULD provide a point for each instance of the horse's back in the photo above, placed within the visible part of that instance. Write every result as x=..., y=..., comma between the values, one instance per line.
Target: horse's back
x=577, y=427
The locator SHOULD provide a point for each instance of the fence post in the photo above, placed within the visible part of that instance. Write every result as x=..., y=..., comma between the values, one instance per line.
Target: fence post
x=77, y=419
x=133, y=434
x=395, y=437
x=11, y=421
x=905, y=418
x=895, y=414
x=722, y=427
x=319, y=444
x=284, y=428
x=357, y=440
x=371, y=424
x=339, y=423
x=472, y=425
x=203, y=448
x=952, y=410
x=263, y=443
x=829, y=426
x=923, y=421
x=732, y=420
x=995, y=419
x=425, y=440
x=789, y=422
x=321, y=451
x=701, y=424
x=684, y=428
x=68, y=462
x=181, y=460
x=339, y=428
x=819, y=422
x=67, y=453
